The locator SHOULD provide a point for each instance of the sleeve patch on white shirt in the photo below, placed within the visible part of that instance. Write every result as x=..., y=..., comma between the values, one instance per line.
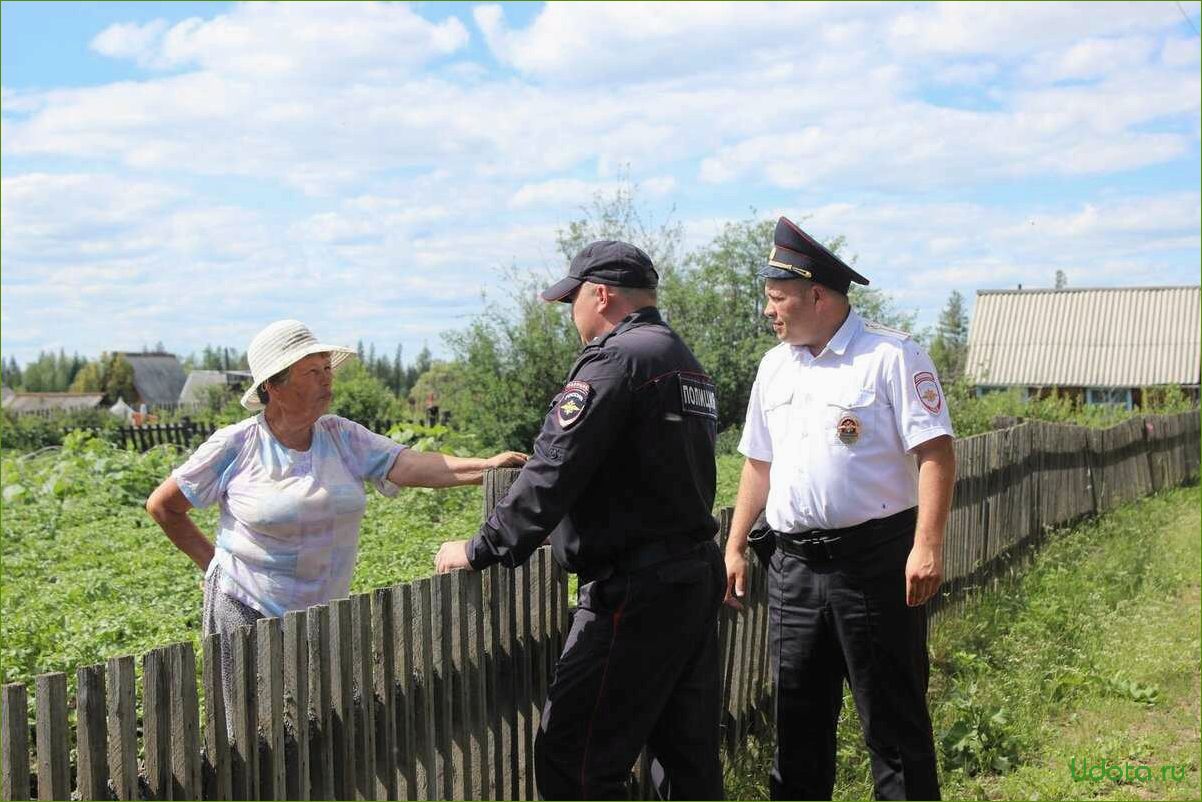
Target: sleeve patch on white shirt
x=929, y=393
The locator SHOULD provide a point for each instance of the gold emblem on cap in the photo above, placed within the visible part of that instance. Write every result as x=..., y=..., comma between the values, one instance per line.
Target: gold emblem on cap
x=773, y=262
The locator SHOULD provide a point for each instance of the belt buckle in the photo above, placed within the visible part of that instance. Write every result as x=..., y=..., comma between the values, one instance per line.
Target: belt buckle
x=819, y=548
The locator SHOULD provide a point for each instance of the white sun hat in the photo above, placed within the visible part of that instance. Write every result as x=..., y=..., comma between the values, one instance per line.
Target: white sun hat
x=281, y=345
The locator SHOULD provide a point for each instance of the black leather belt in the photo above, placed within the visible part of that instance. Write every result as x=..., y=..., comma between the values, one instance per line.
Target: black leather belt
x=824, y=545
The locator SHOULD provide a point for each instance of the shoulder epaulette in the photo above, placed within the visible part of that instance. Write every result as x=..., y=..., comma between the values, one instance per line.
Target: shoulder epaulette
x=877, y=328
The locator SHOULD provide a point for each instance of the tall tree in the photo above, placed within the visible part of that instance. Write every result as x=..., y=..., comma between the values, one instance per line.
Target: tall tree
x=715, y=303
x=949, y=348
x=618, y=215
x=11, y=373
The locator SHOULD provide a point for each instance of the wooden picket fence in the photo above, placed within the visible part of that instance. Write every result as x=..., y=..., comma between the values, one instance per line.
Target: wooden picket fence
x=1015, y=485
x=185, y=434
x=433, y=689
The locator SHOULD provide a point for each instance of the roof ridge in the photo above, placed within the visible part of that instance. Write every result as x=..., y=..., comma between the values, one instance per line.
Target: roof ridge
x=1038, y=290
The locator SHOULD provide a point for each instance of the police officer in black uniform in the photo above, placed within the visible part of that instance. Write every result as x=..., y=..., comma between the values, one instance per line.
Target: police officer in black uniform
x=623, y=479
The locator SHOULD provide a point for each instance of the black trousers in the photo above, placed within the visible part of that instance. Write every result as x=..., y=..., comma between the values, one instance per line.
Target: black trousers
x=640, y=667
x=847, y=618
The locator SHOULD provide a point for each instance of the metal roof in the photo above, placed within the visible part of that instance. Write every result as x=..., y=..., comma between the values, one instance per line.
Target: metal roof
x=1104, y=337
x=41, y=402
x=198, y=380
x=158, y=377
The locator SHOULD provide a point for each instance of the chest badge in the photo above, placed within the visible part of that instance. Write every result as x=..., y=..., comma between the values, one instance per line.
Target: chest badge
x=848, y=429
x=572, y=403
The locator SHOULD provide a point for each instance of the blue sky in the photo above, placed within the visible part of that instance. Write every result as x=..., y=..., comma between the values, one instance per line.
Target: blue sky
x=188, y=172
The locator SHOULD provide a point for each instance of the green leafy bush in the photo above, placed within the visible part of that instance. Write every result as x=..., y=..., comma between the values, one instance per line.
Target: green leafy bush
x=31, y=432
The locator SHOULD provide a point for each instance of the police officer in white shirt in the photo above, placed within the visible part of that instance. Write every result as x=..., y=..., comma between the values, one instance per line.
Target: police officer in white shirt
x=849, y=455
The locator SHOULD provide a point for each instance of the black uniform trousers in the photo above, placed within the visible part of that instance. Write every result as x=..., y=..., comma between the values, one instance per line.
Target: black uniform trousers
x=640, y=667
x=847, y=617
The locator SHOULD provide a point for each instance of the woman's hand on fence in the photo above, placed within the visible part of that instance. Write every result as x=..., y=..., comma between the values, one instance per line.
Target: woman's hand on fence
x=736, y=579
x=508, y=459
x=452, y=556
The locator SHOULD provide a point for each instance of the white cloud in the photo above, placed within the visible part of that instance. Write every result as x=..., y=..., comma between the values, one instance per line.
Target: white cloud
x=1181, y=52
x=130, y=40
x=1016, y=28
x=966, y=72
x=918, y=252
x=326, y=41
x=559, y=193
x=575, y=42
x=1089, y=59
x=361, y=165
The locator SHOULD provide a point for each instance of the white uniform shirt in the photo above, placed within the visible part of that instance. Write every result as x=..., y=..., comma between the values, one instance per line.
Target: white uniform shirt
x=289, y=530
x=838, y=427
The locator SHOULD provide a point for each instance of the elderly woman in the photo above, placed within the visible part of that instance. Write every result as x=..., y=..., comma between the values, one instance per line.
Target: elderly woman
x=289, y=482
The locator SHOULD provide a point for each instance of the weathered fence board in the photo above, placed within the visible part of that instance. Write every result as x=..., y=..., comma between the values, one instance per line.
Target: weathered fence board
x=296, y=707
x=91, y=734
x=215, y=767
x=269, y=639
x=53, y=747
x=321, y=750
x=405, y=782
x=244, y=741
x=14, y=782
x=382, y=694
x=342, y=705
x=122, y=726
x=156, y=722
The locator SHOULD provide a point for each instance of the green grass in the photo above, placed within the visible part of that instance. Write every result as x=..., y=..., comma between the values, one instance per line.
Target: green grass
x=87, y=575
x=1093, y=653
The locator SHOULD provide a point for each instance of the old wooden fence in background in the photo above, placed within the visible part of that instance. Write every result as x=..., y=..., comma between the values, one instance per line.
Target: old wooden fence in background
x=434, y=688
x=185, y=433
x=143, y=438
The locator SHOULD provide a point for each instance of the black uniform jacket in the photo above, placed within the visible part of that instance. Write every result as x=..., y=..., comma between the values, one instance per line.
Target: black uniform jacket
x=625, y=457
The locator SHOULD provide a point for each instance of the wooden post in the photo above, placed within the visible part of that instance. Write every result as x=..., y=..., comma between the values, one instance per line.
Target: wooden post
x=14, y=749
x=523, y=686
x=122, y=727
x=342, y=698
x=425, y=734
x=497, y=482
x=296, y=707
x=156, y=723
x=270, y=642
x=365, y=728
x=403, y=702
x=461, y=754
x=216, y=767
x=91, y=734
x=504, y=711
x=321, y=752
x=244, y=747
x=54, y=757
x=443, y=684
x=185, y=723
x=381, y=692
x=493, y=722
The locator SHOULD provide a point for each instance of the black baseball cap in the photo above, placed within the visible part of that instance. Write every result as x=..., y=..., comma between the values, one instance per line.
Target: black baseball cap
x=607, y=261
x=795, y=254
